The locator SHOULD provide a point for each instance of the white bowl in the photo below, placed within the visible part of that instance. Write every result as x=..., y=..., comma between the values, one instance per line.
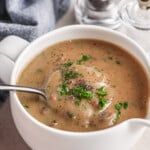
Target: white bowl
x=41, y=137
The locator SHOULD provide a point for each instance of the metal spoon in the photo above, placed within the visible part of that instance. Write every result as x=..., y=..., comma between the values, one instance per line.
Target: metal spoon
x=7, y=87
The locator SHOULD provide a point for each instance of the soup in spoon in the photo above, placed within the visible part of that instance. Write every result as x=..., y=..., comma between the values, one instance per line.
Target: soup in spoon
x=91, y=85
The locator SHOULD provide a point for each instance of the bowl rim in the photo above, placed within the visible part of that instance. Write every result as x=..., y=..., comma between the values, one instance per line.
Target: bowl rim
x=59, y=131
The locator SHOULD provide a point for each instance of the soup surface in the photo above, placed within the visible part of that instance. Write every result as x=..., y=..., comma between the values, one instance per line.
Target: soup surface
x=91, y=85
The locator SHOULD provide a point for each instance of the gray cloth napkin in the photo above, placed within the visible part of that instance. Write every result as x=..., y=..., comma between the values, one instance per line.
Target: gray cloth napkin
x=30, y=18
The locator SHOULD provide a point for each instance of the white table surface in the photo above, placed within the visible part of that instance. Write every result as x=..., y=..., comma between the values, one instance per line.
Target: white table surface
x=11, y=140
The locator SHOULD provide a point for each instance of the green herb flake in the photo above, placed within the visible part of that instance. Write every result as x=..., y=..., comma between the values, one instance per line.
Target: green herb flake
x=118, y=107
x=63, y=89
x=80, y=92
x=103, y=102
x=125, y=105
x=68, y=64
x=83, y=59
x=102, y=93
x=69, y=74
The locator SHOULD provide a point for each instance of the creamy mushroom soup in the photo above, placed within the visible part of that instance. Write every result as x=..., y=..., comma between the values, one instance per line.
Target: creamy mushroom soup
x=91, y=85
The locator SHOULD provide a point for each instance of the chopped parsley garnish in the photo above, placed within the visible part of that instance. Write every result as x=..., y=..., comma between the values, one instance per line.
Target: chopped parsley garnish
x=125, y=105
x=63, y=89
x=118, y=107
x=102, y=93
x=68, y=64
x=83, y=59
x=69, y=74
x=80, y=92
x=103, y=102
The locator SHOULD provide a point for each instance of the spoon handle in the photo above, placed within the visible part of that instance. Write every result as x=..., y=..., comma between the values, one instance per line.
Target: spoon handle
x=6, y=87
